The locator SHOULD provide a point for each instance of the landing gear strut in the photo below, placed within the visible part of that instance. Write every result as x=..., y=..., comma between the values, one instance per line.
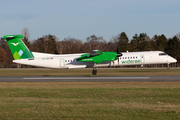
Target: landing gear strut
x=94, y=71
x=167, y=66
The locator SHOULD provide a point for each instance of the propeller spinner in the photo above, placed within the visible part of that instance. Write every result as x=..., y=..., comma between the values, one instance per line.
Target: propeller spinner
x=118, y=53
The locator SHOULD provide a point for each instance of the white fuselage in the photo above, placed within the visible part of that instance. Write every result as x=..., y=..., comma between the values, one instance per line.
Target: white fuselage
x=69, y=60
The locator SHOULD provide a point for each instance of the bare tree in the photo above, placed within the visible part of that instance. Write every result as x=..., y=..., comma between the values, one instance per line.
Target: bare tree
x=60, y=47
x=112, y=44
x=94, y=43
x=178, y=35
x=46, y=44
x=5, y=47
x=115, y=39
x=2, y=56
x=26, y=34
x=69, y=45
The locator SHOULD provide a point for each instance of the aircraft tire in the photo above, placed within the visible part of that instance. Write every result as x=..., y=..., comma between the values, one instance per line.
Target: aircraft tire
x=94, y=72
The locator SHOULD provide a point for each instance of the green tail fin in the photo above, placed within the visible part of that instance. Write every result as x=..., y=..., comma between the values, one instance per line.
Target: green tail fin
x=17, y=47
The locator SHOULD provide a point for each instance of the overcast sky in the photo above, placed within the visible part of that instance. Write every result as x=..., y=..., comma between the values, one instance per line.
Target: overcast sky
x=82, y=18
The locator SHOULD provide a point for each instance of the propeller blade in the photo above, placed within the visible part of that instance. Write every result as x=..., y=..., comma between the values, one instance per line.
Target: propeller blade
x=118, y=53
x=117, y=50
x=118, y=60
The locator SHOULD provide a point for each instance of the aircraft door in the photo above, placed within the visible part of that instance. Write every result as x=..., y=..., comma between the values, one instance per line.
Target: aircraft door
x=142, y=58
x=62, y=62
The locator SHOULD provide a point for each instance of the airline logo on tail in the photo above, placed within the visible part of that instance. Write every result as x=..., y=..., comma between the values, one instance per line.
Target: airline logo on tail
x=15, y=44
x=18, y=49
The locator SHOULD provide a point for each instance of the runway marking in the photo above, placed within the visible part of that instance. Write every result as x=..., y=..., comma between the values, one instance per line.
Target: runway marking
x=82, y=78
x=89, y=79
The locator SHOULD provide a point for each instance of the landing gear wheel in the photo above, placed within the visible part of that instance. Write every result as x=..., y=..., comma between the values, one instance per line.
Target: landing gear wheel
x=167, y=66
x=94, y=72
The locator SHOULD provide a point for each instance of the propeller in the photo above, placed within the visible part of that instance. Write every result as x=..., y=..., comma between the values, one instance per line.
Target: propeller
x=118, y=54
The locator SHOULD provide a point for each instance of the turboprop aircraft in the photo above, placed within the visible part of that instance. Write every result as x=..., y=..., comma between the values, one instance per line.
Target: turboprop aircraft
x=95, y=59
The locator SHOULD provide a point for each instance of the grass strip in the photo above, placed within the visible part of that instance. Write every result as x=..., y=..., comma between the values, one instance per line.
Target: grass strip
x=90, y=100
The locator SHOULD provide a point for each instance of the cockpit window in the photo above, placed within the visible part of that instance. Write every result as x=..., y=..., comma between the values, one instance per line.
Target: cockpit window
x=162, y=54
x=95, y=53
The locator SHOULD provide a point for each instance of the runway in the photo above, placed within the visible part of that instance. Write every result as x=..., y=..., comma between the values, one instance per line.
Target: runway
x=91, y=79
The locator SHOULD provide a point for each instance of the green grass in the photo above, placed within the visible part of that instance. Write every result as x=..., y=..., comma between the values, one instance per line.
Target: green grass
x=88, y=72
x=90, y=100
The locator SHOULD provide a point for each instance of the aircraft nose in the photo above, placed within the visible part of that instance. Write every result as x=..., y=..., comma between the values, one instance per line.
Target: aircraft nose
x=172, y=60
x=175, y=60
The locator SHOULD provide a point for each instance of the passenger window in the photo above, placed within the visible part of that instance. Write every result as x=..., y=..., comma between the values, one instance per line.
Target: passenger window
x=65, y=60
x=125, y=57
x=131, y=57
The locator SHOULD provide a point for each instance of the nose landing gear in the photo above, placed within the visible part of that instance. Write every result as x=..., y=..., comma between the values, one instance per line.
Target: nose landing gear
x=168, y=66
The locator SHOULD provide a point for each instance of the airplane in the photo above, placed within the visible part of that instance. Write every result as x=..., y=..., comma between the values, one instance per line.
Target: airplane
x=94, y=59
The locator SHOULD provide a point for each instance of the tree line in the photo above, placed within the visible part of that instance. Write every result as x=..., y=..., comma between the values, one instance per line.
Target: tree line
x=51, y=44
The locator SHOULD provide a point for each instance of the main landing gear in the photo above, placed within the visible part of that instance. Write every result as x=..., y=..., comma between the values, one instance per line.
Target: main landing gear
x=94, y=71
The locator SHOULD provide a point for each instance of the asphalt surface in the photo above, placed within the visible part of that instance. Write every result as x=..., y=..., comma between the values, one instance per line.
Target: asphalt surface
x=91, y=79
